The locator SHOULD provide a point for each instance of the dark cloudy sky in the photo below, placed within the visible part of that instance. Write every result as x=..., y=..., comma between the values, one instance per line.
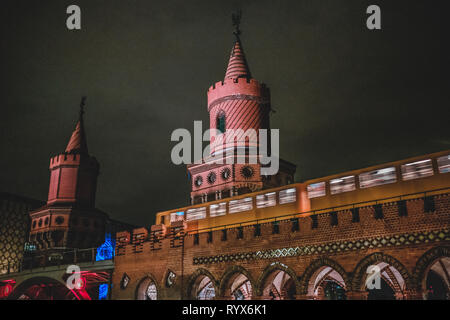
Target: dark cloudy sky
x=346, y=97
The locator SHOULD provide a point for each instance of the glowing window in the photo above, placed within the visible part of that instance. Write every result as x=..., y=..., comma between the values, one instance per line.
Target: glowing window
x=444, y=164
x=151, y=293
x=343, y=184
x=241, y=205
x=106, y=250
x=103, y=292
x=177, y=216
x=417, y=169
x=218, y=209
x=196, y=213
x=288, y=195
x=377, y=177
x=316, y=190
x=266, y=200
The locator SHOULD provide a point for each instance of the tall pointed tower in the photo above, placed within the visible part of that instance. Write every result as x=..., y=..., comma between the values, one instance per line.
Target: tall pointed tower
x=235, y=105
x=70, y=219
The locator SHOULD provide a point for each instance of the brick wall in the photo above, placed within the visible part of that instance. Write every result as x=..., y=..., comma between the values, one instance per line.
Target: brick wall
x=349, y=247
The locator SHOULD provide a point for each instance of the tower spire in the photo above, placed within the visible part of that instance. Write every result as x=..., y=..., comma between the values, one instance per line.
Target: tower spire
x=77, y=142
x=82, y=104
x=236, y=18
x=237, y=64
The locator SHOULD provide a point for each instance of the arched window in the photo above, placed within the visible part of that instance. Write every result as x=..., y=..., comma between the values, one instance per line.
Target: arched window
x=220, y=122
x=147, y=290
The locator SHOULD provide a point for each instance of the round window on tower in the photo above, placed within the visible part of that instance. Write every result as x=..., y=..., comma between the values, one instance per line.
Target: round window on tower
x=247, y=172
x=211, y=178
x=59, y=220
x=226, y=173
x=198, y=181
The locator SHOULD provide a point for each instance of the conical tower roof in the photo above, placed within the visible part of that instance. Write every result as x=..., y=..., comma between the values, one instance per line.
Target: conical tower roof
x=237, y=65
x=77, y=142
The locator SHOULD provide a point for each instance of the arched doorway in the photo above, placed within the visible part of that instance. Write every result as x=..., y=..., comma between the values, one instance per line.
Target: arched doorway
x=437, y=281
x=327, y=284
x=147, y=290
x=236, y=284
x=279, y=286
x=241, y=288
x=203, y=288
x=325, y=279
x=391, y=283
x=382, y=277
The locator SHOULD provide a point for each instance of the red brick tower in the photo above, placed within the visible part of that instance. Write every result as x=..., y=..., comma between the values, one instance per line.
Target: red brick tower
x=69, y=219
x=235, y=105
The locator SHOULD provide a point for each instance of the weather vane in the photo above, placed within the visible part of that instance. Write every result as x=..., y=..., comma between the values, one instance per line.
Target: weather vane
x=236, y=17
x=82, y=104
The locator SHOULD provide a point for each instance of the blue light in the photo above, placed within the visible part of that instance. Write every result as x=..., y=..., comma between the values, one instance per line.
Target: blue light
x=107, y=249
x=103, y=292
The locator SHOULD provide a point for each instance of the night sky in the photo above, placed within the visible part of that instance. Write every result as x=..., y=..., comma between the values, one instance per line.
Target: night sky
x=345, y=97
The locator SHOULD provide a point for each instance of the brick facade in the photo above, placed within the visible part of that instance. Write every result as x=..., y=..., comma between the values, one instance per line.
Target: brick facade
x=409, y=243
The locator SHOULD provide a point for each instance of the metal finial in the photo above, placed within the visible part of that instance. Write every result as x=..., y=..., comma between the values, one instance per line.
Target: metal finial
x=82, y=104
x=236, y=18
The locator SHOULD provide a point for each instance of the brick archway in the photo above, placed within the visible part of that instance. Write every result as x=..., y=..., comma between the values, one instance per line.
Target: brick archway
x=59, y=292
x=142, y=286
x=193, y=279
x=269, y=270
x=360, y=272
x=425, y=262
x=318, y=264
x=229, y=273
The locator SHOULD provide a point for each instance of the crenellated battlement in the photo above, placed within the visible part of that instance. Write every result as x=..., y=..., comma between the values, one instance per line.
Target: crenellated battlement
x=403, y=217
x=72, y=159
x=239, y=86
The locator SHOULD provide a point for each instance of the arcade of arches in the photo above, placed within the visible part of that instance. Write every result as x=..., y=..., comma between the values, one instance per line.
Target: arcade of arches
x=324, y=279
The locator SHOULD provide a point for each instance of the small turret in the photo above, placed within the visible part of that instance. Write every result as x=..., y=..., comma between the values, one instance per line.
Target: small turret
x=70, y=219
x=73, y=177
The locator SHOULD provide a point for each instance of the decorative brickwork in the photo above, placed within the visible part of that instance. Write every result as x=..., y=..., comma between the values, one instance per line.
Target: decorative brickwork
x=336, y=247
x=408, y=243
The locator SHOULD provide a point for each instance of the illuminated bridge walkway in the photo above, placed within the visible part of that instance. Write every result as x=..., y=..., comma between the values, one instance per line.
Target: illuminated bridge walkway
x=44, y=277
